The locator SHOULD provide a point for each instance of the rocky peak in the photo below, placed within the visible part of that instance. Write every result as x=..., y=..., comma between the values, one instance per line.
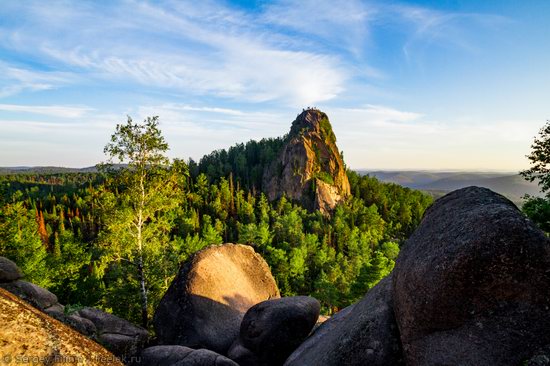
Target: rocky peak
x=309, y=168
x=313, y=121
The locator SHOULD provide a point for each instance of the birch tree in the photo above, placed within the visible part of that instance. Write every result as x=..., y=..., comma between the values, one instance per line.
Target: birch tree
x=140, y=196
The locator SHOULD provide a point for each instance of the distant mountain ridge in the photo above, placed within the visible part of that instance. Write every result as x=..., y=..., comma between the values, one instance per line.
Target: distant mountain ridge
x=508, y=184
x=436, y=183
x=45, y=170
x=50, y=169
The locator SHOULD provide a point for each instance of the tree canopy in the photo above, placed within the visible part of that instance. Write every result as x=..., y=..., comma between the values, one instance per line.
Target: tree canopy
x=538, y=208
x=540, y=160
x=77, y=233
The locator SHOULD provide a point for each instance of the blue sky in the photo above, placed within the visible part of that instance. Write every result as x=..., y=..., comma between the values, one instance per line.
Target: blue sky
x=407, y=84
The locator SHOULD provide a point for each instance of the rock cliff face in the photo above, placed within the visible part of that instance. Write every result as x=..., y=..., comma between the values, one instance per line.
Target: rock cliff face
x=28, y=336
x=309, y=168
x=117, y=335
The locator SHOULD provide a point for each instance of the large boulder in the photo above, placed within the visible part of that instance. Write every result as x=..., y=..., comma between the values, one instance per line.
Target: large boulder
x=118, y=335
x=471, y=283
x=272, y=329
x=181, y=356
x=364, y=333
x=9, y=271
x=206, y=302
x=29, y=336
x=35, y=295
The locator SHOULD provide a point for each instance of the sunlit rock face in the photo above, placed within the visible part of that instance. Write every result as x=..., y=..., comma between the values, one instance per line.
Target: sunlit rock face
x=207, y=300
x=310, y=168
x=28, y=336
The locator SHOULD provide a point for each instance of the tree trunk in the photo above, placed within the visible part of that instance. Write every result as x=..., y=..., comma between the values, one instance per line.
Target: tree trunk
x=143, y=293
x=141, y=275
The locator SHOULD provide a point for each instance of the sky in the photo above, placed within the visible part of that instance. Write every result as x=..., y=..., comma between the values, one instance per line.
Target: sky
x=436, y=85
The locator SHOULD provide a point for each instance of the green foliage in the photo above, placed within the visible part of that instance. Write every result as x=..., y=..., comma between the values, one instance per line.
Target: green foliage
x=540, y=160
x=72, y=308
x=137, y=201
x=244, y=164
x=325, y=177
x=336, y=259
x=21, y=242
x=401, y=208
x=537, y=208
x=326, y=129
x=390, y=250
x=76, y=233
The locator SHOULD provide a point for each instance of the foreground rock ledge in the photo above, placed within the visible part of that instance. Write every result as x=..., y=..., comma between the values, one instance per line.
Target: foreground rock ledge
x=207, y=300
x=471, y=285
x=364, y=333
x=29, y=336
x=182, y=356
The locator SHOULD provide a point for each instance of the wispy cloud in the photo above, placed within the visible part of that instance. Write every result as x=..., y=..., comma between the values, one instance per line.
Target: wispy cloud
x=14, y=80
x=50, y=110
x=218, y=73
x=207, y=49
x=296, y=52
x=444, y=28
x=344, y=25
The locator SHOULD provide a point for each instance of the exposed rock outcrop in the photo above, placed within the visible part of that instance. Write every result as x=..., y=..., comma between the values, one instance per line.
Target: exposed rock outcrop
x=272, y=329
x=471, y=284
x=28, y=336
x=182, y=356
x=118, y=335
x=37, y=296
x=9, y=271
x=364, y=333
x=207, y=300
x=81, y=325
x=309, y=168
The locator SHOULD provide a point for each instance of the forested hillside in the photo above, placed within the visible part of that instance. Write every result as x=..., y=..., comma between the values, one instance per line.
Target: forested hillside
x=66, y=230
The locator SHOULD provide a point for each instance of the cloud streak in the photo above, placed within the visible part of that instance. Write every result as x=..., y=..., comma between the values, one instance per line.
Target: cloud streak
x=218, y=73
x=14, y=80
x=51, y=110
x=208, y=50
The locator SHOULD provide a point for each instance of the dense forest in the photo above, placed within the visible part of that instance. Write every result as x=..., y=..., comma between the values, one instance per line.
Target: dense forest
x=68, y=233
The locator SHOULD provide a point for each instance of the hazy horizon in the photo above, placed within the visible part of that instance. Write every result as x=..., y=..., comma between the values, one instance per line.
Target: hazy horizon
x=360, y=170
x=407, y=85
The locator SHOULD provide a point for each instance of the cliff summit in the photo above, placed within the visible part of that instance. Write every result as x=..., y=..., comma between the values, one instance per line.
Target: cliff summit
x=310, y=168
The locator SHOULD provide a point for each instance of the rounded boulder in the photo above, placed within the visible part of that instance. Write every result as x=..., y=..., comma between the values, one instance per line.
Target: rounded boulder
x=471, y=283
x=273, y=329
x=204, y=305
x=9, y=271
